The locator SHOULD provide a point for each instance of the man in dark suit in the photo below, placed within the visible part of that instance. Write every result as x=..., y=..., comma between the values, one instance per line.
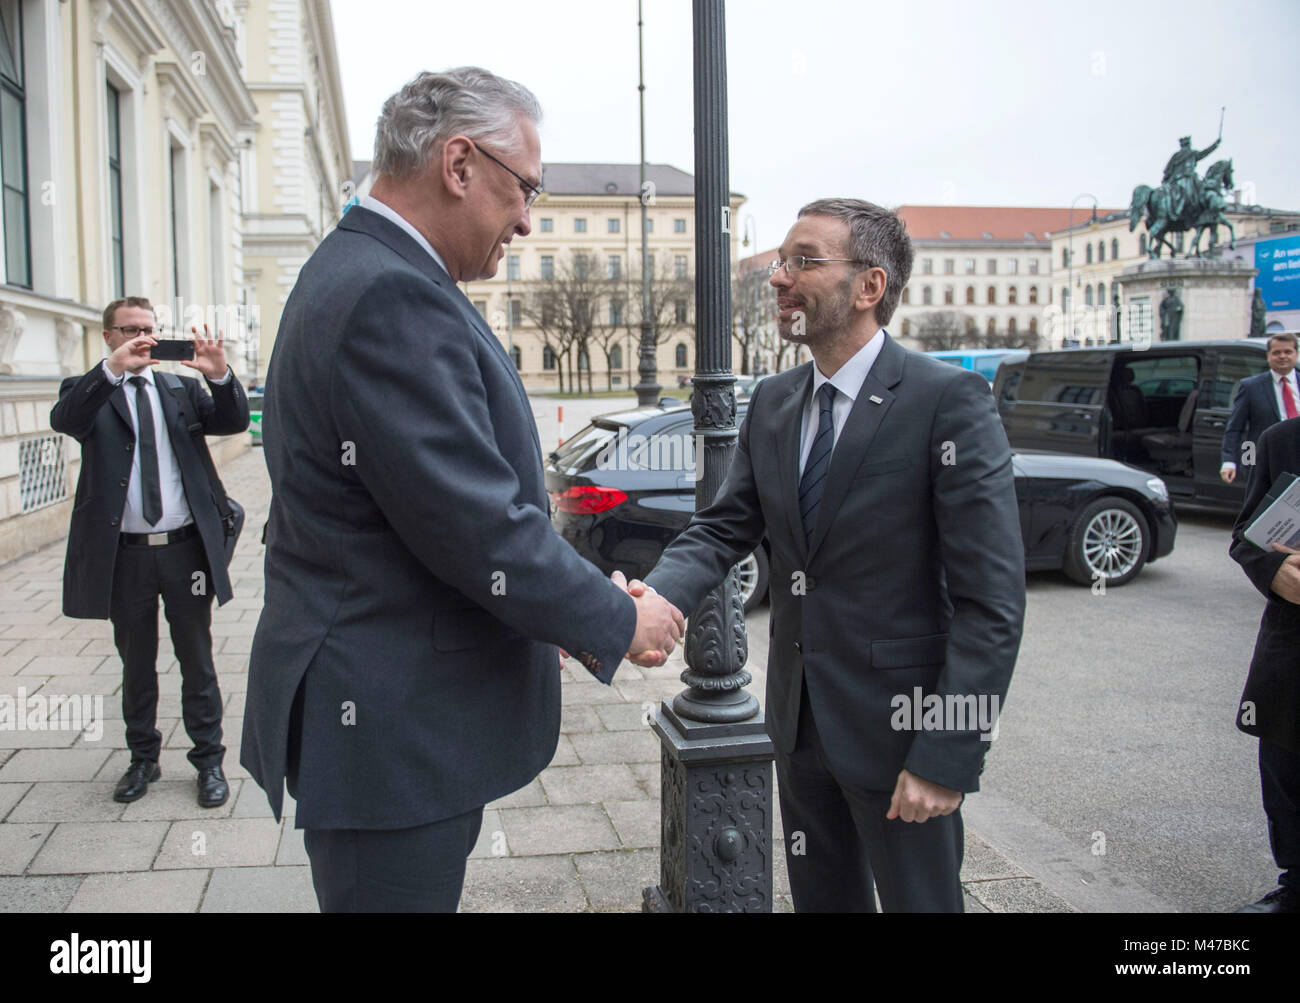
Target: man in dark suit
x=882, y=480
x=145, y=523
x=404, y=671
x=1261, y=401
x=1270, y=703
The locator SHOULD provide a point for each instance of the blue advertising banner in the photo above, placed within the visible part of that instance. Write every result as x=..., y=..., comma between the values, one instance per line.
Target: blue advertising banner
x=1278, y=262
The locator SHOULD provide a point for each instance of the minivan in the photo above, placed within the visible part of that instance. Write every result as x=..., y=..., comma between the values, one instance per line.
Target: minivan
x=1161, y=407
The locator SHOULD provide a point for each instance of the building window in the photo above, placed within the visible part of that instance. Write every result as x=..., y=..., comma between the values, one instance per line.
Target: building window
x=681, y=355
x=1087, y=255
x=548, y=313
x=991, y=327
x=1065, y=298
x=612, y=225
x=177, y=190
x=1033, y=294
x=615, y=313
x=679, y=266
x=1087, y=293
x=679, y=311
x=947, y=295
x=993, y=266
x=1101, y=294
x=1013, y=266
x=970, y=295
x=13, y=149
x=1011, y=295
x=548, y=357
x=1033, y=325
x=649, y=225
x=907, y=295
x=970, y=325
x=115, y=190
x=1114, y=249
x=514, y=309
x=580, y=266
x=616, y=357
x=583, y=362
x=548, y=266
x=652, y=265
x=579, y=225
x=548, y=225
x=992, y=295
x=926, y=296
x=517, y=356
x=481, y=307
x=42, y=473
x=614, y=266
x=1101, y=251
x=512, y=267
x=948, y=265
x=970, y=266
x=1033, y=266
x=927, y=266
x=679, y=226
x=1065, y=257
x=907, y=328
x=1011, y=325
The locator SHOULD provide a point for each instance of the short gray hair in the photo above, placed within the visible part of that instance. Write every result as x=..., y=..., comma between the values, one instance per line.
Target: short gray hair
x=433, y=107
x=878, y=237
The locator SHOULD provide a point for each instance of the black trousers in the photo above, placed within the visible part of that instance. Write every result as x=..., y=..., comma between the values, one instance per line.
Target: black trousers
x=141, y=575
x=421, y=869
x=838, y=843
x=1279, y=775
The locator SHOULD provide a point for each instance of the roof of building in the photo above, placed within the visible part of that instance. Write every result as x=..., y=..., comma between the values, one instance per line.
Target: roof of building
x=990, y=222
x=597, y=179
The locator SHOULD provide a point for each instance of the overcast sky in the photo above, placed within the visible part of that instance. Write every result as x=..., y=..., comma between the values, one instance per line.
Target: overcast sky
x=920, y=101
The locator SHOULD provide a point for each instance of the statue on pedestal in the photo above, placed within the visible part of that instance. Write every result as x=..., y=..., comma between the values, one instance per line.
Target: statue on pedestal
x=1258, y=314
x=1171, y=315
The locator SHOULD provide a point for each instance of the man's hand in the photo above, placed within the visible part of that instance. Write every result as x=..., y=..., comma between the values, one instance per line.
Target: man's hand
x=133, y=354
x=1228, y=472
x=1286, y=583
x=659, y=624
x=209, y=355
x=916, y=800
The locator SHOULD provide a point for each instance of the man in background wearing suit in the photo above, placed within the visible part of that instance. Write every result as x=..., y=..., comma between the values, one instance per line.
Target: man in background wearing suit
x=882, y=480
x=1261, y=401
x=1270, y=703
x=144, y=523
x=404, y=671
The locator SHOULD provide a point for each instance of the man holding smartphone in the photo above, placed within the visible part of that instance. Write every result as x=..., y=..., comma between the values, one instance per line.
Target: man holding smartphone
x=145, y=523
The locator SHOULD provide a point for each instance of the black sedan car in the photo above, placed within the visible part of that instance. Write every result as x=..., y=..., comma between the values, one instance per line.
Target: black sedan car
x=623, y=487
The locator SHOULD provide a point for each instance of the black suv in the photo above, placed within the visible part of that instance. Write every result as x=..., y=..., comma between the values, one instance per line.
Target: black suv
x=1162, y=408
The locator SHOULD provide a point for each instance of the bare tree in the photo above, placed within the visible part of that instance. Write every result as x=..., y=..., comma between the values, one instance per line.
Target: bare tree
x=753, y=308
x=672, y=297
x=941, y=330
x=564, y=308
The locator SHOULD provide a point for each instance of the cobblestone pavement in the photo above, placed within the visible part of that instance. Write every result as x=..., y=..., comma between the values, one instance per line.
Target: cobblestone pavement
x=583, y=836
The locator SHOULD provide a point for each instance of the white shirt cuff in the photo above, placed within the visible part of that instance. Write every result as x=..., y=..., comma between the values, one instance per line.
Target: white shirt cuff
x=224, y=380
x=109, y=373
x=1228, y=466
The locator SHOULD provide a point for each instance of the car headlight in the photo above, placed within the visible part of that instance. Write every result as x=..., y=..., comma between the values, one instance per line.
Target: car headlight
x=1157, y=487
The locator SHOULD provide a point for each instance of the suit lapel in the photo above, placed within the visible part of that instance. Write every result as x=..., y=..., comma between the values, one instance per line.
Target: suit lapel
x=856, y=438
x=787, y=420
x=118, y=400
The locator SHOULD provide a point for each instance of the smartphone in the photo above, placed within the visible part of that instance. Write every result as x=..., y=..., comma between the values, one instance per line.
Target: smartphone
x=172, y=349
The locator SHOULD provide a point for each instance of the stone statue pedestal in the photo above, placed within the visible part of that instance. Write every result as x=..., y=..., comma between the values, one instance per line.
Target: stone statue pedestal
x=1215, y=296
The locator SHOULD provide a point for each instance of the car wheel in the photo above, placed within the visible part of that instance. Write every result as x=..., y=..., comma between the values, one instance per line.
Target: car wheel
x=753, y=578
x=1109, y=540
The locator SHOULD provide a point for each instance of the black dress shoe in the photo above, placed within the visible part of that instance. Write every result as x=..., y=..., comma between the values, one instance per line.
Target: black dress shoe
x=135, y=781
x=213, y=789
x=1278, y=900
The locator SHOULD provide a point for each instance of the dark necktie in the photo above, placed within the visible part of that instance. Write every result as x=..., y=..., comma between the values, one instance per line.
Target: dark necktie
x=819, y=460
x=150, y=488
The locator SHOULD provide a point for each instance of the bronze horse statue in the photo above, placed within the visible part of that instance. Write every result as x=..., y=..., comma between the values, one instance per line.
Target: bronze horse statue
x=1204, y=212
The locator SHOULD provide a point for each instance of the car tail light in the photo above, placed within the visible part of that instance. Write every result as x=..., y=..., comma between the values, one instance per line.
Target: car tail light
x=587, y=499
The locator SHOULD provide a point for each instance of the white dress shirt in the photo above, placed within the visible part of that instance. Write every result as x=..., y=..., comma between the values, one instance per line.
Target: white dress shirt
x=391, y=214
x=1277, y=399
x=848, y=381
x=175, y=508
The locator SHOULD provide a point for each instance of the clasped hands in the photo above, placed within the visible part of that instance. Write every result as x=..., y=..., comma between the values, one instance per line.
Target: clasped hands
x=659, y=624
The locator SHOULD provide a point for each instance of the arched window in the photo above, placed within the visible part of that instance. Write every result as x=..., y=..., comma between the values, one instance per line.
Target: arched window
x=1142, y=243
x=1033, y=325
x=1065, y=257
x=616, y=357
x=907, y=328
x=970, y=325
x=1087, y=255
x=993, y=295
x=926, y=296
x=1011, y=325
x=947, y=295
x=1087, y=295
x=1101, y=250
x=582, y=360
x=1065, y=298
x=548, y=357
x=1011, y=295
x=1033, y=294
x=517, y=356
x=681, y=355
x=1114, y=249
x=1101, y=294
x=991, y=327
x=970, y=295
x=907, y=295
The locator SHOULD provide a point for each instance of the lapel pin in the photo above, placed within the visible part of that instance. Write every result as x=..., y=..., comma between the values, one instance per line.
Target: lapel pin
x=877, y=400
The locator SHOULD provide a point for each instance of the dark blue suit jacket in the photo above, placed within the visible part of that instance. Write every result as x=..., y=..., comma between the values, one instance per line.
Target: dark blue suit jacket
x=1254, y=409
x=415, y=589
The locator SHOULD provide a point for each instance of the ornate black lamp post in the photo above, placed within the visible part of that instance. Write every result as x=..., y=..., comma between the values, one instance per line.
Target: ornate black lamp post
x=716, y=849
x=647, y=391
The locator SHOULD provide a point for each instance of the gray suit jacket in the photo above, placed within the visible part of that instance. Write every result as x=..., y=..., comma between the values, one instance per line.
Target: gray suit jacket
x=914, y=577
x=404, y=665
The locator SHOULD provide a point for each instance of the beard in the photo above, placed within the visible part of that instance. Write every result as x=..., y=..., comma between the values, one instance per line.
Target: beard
x=824, y=323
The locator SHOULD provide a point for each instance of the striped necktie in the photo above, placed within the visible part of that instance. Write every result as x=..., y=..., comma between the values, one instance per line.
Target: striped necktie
x=819, y=460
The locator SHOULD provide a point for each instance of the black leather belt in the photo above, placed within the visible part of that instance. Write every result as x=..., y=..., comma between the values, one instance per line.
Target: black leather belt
x=160, y=539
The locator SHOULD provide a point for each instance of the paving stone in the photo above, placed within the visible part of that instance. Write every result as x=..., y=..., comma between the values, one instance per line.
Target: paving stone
x=101, y=646
x=90, y=847
x=562, y=829
x=61, y=665
x=491, y=837
x=579, y=717
x=526, y=797
x=291, y=850
x=177, y=798
x=973, y=905
x=53, y=764
x=141, y=891
x=19, y=842
x=37, y=894
x=260, y=889
x=589, y=784
x=1016, y=895
x=10, y=795
x=236, y=645
x=61, y=801
x=621, y=716
x=646, y=691
x=46, y=739
x=613, y=881
x=648, y=775
x=234, y=842
x=85, y=682
x=531, y=884
x=981, y=862
x=638, y=823
x=782, y=903
x=564, y=754
x=251, y=801
x=617, y=747
x=588, y=693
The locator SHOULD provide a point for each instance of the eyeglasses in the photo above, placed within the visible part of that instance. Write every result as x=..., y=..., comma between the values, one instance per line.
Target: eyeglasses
x=531, y=191
x=131, y=330
x=797, y=263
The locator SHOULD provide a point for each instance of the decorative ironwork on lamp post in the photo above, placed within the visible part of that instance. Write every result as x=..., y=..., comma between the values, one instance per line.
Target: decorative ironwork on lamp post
x=716, y=757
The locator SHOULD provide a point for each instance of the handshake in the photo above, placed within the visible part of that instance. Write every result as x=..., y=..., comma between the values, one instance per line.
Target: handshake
x=659, y=624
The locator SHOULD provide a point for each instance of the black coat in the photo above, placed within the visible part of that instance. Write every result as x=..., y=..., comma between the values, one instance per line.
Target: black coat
x=914, y=577
x=107, y=439
x=415, y=588
x=1273, y=684
x=1254, y=408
